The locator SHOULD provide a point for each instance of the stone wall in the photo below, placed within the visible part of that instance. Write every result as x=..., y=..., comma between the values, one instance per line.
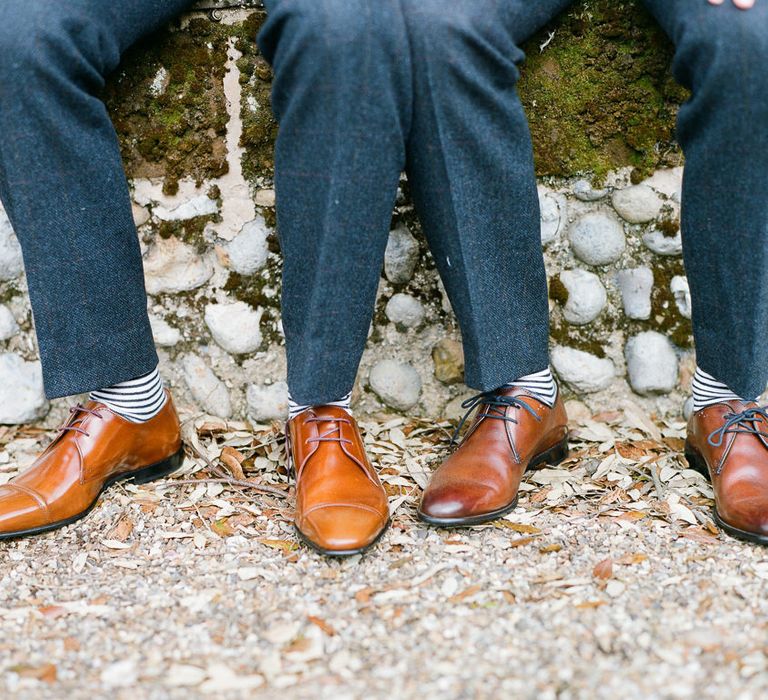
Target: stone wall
x=191, y=107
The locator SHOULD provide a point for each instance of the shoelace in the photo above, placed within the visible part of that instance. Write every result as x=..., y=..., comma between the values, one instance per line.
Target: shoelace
x=744, y=422
x=498, y=403
x=76, y=428
x=327, y=436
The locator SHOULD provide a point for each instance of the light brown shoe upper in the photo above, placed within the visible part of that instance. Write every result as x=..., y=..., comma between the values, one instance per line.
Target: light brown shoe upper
x=730, y=441
x=94, y=448
x=480, y=480
x=341, y=506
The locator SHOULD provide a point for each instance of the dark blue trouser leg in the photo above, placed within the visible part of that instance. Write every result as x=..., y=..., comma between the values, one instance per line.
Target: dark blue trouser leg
x=358, y=85
x=470, y=166
x=63, y=187
x=341, y=92
x=722, y=54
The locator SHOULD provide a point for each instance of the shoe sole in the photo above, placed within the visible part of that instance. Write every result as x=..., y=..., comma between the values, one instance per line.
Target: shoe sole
x=341, y=553
x=699, y=464
x=551, y=457
x=141, y=476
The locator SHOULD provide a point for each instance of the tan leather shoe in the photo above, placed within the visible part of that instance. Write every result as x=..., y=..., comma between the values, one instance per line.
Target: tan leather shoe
x=93, y=450
x=728, y=443
x=341, y=506
x=512, y=431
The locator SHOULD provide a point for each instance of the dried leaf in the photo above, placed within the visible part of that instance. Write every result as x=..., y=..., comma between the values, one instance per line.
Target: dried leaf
x=549, y=548
x=632, y=515
x=466, y=593
x=363, y=596
x=284, y=545
x=222, y=527
x=46, y=673
x=603, y=569
x=700, y=535
x=322, y=624
x=122, y=530
x=628, y=559
x=53, y=611
x=517, y=527
x=233, y=461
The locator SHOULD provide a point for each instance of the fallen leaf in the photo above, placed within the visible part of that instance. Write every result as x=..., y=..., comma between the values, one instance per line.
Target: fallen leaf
x=222, y=527
x=603, y=569
x=53, y=611
x=518, y=527
x=322, y=624
x=632, y=515
x=285, y=545
x=547, y=549
x=679, y=511
x=589, y=604
x=521, y=541
x=46, y=672
x=211, y=427
x=466, y=593
x=233, y=459
x=628, y=559
x=121, y=530
x=364, y=595
x=700, y=535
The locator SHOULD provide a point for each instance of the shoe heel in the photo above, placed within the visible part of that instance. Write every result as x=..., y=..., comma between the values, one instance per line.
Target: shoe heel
x=159, y=470
x=551, y=457
x=696, y=462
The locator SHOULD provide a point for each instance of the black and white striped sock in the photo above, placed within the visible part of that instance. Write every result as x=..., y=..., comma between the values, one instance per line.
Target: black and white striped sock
x=541, y=384
x=137, y=400
x=295, y=408
x=707, y=390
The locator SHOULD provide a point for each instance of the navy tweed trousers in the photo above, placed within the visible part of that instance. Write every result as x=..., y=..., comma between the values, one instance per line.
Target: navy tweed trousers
x=364, y=90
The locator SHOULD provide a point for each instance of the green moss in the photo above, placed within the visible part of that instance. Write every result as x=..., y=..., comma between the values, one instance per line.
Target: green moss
x=8, y=292
x=586, y=338
x=189, y=230
x=558, y=292
x=600, y=95
x=669, y=227
x=252, y=289
x=177, y=129
x=665, y=315
x=259, y=124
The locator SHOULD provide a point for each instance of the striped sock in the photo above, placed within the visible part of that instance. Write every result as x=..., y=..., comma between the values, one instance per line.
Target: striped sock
x=137, y=400
x=295, y=408
x=707, y=390
x=541, y=384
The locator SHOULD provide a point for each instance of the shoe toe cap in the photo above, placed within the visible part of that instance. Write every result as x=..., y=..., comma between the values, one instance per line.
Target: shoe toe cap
x=19, y=512
x=341, y=528
x=456, y=501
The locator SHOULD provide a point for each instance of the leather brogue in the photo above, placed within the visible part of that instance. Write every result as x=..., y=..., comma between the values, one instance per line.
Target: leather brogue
x=94, y=448
x=341, y=506
x=728, y=443
x=512, y=431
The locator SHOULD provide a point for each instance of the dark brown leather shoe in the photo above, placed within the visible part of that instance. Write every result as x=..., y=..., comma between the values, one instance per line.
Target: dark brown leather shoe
x=512, y=431
x=341, y=506
x=728, y=443
x=93, y=450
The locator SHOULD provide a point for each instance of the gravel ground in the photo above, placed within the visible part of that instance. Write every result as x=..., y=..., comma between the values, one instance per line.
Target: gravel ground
x=608, y=581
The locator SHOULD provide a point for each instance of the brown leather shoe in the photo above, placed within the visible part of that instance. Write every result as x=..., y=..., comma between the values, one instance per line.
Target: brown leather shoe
x=728, y=443
x=341, y=506
x=513, y=431
x=93, y=450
